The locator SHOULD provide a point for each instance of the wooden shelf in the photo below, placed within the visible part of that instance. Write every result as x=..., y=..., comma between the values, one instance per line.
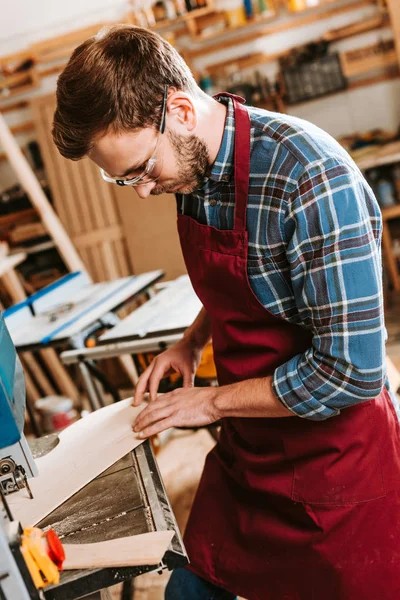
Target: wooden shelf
x=257, y=20
x=380, y=156
x=393, y=212
x=193, y=14
x=291, y=21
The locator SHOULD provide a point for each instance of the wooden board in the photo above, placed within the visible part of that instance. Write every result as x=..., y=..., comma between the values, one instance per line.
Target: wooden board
x=85, y=449
x=394, y=14
x=151, y=233
x=369, y=58
x=132, y=551
x=85, y=204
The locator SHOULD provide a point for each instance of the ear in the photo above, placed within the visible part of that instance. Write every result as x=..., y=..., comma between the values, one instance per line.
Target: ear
x=181, y=108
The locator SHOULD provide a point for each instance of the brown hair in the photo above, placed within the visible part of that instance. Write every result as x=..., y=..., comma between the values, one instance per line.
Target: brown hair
x=115, y=81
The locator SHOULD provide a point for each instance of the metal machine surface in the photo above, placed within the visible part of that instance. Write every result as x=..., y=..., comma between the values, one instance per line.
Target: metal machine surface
x=127, y=499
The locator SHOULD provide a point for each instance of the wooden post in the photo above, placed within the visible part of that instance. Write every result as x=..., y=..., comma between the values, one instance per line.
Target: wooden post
x=394, y=13
x=34, y=190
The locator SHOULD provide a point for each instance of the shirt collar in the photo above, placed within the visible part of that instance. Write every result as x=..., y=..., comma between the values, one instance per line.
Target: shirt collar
x=222, y=167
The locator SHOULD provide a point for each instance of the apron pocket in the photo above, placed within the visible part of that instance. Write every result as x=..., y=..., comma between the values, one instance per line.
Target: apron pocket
x=337, y=461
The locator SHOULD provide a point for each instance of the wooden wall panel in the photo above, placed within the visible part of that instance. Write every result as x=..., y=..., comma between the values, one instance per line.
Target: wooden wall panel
x=86, y=205
x=150, y=230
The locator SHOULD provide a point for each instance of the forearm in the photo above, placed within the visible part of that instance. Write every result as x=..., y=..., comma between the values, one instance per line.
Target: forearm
x=199, y=332
x=250, y=398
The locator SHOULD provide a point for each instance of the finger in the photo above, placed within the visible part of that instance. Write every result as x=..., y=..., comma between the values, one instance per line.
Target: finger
x=156, y=428
x=153, y=417
x=141, y=385
x=188, y=378
x=160, y=404
x=158, y=373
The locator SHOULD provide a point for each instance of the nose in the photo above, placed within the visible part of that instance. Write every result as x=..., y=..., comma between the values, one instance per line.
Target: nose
x=144, y=189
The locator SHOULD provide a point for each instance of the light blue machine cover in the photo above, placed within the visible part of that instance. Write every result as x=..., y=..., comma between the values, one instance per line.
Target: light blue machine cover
x=12, y=390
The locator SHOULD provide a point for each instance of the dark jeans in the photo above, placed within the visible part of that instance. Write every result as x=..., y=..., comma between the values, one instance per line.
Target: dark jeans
x=185, y=585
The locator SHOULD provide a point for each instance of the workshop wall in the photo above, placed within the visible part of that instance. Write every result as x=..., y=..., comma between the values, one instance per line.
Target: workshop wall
x=25, y=22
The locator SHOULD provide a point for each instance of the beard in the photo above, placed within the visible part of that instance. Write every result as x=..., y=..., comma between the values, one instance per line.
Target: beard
x=191, y=156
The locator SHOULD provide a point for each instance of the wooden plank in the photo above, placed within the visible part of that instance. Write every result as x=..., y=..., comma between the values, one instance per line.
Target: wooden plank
x=14, y=60
x=91, y=238
x=54, y=173
x=376, y=22
x=32, y=366
x=60, y=374
x=132, y=551
x=31, y=390
x=245, y=62
x=53, y=70
x=14, y=286
x=394, y=14
x=122, y=258
x=109, y=260
x=16, y=80
x=65, y=175
x=24, y=127
x=27, y=231
x=83, y=194
x=94, y=180
x=85, y=449
x=20, y=105
x=369, y=58
x=8, y=263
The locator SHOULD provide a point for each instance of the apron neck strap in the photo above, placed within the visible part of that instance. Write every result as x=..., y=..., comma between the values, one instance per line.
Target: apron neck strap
x=241, y=159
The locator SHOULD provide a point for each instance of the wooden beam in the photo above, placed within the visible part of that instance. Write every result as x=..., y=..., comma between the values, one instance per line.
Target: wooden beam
x=60, y=374
x=31, y=366
x=394, y=13
x=20, y=105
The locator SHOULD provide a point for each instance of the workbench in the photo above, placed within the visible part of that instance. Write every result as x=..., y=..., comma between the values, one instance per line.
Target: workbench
x=156, y=325
x=67, y=311
x=129, y=498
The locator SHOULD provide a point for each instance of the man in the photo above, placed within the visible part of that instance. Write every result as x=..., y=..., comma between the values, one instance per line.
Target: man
x=281, y=237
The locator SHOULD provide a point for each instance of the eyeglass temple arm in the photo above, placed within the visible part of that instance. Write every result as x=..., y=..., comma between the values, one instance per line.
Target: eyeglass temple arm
x=164, y=111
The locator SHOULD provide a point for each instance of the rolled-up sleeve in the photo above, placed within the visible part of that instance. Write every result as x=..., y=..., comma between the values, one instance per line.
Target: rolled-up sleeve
x=332, y=227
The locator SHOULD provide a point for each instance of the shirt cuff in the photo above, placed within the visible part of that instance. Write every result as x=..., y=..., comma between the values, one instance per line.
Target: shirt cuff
x=289, y=387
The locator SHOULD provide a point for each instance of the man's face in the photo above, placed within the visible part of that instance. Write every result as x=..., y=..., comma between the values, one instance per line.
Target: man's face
x=181, y=159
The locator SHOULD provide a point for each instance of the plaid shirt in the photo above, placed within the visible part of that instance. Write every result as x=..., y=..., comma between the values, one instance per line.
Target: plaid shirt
x=314, y=230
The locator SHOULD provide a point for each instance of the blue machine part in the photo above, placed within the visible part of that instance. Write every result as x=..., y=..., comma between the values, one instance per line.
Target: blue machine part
x=12, y=390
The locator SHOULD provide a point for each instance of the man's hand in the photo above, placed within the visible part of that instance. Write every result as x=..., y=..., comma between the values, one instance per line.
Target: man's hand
x=184, y=358
x=194, y=407
x=184, y=407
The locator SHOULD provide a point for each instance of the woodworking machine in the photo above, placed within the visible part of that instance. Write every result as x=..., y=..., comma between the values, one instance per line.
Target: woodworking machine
x=129, y=498
x=16, y=467
x=16, y=462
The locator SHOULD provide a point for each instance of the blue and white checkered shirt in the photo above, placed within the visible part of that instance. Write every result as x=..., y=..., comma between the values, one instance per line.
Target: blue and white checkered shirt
x=314, y=230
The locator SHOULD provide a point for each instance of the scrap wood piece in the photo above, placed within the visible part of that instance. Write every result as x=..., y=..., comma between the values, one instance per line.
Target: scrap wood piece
x=85, y=449
x=131, y=551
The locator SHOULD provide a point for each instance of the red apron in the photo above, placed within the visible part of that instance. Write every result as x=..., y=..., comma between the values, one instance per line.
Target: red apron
x=287, y=508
